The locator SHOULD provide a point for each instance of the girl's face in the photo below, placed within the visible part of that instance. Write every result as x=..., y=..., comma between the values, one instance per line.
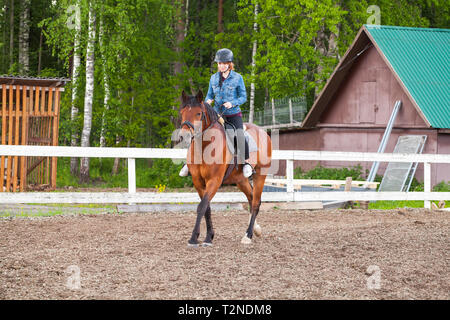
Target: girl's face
x=223, y=66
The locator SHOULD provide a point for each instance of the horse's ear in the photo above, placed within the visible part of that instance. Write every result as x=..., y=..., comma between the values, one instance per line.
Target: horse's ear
x=199, y=96
x=184, y=97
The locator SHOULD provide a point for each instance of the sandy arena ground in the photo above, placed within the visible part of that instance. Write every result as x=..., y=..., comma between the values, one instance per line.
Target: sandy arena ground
x=324, y=254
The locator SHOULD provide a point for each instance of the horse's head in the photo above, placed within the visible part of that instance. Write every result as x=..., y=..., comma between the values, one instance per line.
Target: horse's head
x=192, y=112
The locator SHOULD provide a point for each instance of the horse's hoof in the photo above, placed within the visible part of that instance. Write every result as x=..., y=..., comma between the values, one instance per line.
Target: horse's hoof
x=193, y=245
x=257, y=230
x=246, y=240
x=206, y=244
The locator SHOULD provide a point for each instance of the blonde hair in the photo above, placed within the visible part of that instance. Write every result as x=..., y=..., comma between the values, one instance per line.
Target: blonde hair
x=230, y=65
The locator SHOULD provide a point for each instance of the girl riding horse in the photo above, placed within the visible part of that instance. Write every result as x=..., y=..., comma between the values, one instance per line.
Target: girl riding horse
x=200, y=122
x=227, y=91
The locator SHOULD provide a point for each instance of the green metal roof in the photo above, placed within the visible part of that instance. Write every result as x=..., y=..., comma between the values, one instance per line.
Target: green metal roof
x=421, y=59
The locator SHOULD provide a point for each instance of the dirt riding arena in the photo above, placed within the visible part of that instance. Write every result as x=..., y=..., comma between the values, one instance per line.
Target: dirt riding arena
x=326, y=254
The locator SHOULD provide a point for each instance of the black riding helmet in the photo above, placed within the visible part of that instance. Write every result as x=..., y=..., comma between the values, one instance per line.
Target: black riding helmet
x=224, y=55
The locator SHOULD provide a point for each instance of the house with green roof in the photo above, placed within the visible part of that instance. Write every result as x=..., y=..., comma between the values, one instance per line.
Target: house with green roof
x=384, y=64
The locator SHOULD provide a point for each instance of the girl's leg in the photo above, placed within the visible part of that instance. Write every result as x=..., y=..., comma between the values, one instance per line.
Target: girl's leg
x=238, y=123
x=241, y=143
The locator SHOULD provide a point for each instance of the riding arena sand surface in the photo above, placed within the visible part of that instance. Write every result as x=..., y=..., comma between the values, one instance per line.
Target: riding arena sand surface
x=302, y=254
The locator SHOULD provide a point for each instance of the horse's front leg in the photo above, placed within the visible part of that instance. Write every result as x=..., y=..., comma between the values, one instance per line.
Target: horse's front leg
x=204, y=209
x=201, y=210
x=209, y=228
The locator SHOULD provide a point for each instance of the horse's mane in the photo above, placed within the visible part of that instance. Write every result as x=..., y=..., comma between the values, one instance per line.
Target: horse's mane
x=210, y=112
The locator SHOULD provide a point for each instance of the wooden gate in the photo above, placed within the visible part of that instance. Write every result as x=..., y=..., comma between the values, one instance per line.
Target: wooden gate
x=29, y=116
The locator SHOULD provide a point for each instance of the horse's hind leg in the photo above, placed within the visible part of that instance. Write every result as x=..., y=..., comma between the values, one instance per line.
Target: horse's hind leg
x=247, y=188
x=257, y=231
x=258, y=185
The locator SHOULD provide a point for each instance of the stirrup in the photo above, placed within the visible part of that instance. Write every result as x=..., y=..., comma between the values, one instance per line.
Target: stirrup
x=184, y=172
x=249, y=172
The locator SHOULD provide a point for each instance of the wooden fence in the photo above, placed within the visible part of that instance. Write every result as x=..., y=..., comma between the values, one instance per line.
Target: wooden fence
x=284, y=155
x=29, y=116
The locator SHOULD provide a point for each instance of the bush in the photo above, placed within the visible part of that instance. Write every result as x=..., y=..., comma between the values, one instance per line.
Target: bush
x=161, y=172
x=320, y=172
x=442, y=187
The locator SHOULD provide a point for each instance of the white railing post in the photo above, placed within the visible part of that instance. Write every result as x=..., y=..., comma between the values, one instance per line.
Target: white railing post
x=131, y=175
x=427, y=182
x=290, y=175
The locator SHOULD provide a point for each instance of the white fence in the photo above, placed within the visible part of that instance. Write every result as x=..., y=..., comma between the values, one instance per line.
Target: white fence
x=153, y=197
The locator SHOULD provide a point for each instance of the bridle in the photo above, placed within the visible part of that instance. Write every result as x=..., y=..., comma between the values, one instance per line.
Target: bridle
x=190, y=125
x=203, y=118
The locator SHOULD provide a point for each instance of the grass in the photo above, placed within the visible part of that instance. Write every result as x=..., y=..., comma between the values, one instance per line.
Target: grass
x=70, y=205
x=417, y=187
x=386, y=205
x=51, y=210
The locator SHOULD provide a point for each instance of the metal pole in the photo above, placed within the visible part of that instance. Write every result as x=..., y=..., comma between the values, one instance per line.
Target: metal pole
x=384, y=140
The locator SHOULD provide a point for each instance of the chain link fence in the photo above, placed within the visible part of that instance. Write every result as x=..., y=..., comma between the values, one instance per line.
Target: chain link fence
x=279, y=111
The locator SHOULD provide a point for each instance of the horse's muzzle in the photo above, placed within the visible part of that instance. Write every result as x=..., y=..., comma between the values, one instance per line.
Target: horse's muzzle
x=187, y=134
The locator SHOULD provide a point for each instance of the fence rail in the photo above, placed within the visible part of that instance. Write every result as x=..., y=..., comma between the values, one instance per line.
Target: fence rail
x=152, y=197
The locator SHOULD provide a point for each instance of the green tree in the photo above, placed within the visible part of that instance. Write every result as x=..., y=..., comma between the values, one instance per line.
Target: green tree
x=149, y=50
x=287, y=37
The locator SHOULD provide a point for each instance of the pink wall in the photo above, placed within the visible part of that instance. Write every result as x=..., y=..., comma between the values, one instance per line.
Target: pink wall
x=298, y=140
x=362, y=140
x=357, y=116
x=367, y=97
x=443, y=170
x=368, y=140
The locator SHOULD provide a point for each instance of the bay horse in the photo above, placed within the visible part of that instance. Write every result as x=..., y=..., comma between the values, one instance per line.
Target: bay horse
x=208, y=159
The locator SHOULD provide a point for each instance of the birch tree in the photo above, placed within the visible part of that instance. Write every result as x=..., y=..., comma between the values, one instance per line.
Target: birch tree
x=89, y=95
x=252, y=84
x=11, y=34
x=24, y=36
x=180, y=36
x=75, y=75
x=106, y=86
x=40, y=53
x=287, y=32
x=3, y=12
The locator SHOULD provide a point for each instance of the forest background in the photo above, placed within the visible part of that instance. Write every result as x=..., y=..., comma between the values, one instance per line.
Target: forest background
x=129, y=60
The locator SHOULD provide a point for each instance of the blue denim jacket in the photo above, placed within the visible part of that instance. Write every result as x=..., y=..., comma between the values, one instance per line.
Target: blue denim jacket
x=233, y=90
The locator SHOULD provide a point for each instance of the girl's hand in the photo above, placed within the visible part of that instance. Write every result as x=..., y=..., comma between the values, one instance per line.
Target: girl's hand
x=228, y=105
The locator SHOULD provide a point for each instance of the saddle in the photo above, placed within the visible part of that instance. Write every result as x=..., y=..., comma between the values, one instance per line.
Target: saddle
x=231, y=138
x=230, y=131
